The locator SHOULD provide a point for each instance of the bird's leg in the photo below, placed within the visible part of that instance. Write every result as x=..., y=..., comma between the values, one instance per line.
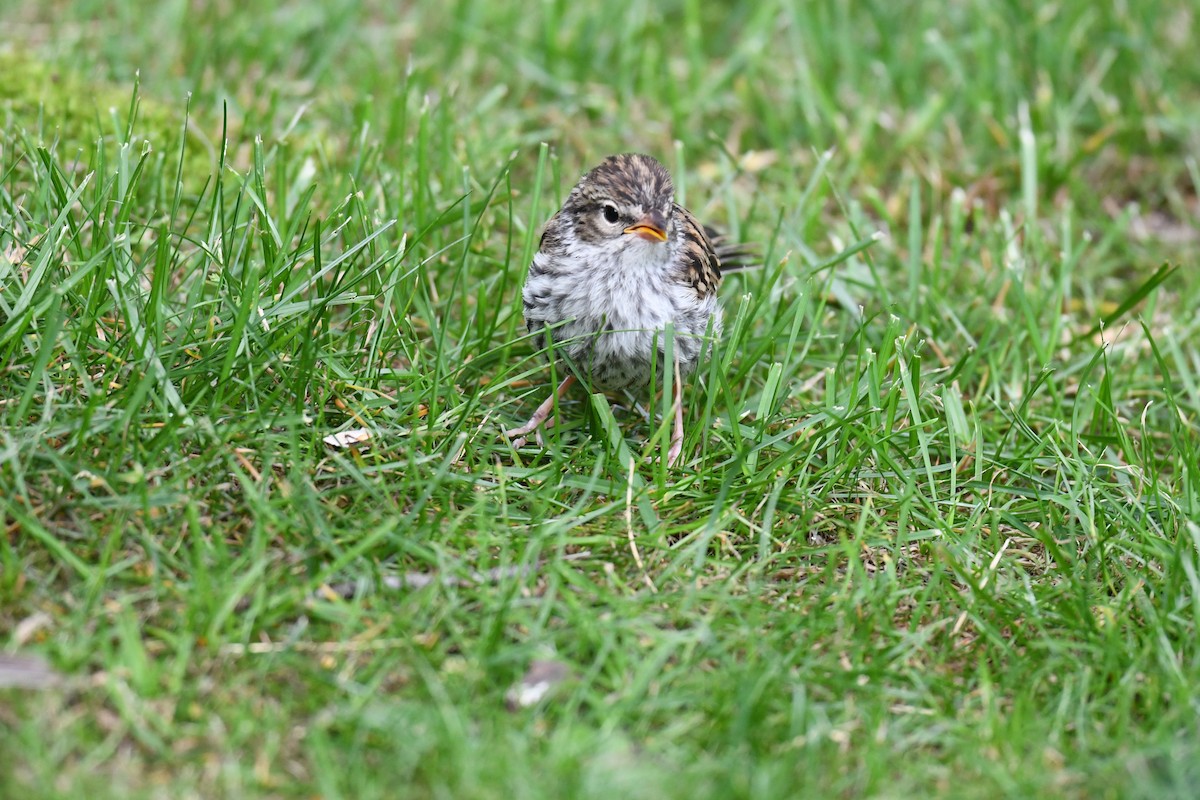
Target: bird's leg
x=547, y=425
x=541, y=415
x=677, y=434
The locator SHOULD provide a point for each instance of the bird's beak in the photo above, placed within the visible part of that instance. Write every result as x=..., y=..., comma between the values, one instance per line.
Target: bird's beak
x=652, y=227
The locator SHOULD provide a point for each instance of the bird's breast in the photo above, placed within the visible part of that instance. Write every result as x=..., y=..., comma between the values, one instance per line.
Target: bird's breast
x=611, y=310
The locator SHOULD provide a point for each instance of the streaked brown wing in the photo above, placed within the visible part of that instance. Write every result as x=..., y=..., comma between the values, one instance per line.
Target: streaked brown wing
x=701, y=266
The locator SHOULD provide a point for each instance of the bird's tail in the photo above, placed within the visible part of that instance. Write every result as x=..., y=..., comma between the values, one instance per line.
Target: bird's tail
x=733, y=255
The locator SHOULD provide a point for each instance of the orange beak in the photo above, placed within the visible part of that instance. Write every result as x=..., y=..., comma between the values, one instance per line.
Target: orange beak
x=652, y=227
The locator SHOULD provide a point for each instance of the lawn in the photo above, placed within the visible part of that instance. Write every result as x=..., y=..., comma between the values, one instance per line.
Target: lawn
x=937, y=529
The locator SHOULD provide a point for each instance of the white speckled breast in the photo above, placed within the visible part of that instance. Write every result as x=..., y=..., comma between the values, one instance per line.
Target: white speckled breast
x=614, y=307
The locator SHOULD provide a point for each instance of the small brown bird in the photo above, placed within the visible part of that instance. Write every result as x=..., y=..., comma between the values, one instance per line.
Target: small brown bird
x=617, y=263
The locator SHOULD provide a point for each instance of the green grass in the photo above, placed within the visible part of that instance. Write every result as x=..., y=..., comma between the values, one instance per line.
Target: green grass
x=938, y=531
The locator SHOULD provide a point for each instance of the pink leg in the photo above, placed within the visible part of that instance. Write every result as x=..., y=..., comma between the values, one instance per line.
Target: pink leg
x=539, y=416
x=677, y=434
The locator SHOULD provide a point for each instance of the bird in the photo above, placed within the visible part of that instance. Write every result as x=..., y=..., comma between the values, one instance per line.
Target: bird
x=616, y=264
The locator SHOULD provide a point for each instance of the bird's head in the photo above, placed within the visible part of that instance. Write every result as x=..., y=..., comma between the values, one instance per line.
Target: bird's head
x=625, y=201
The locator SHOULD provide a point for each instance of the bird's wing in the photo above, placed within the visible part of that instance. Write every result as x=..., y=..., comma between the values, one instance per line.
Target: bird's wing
x=701, y=266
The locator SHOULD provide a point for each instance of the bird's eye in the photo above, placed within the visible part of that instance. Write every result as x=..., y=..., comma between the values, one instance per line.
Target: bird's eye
x=610, y=213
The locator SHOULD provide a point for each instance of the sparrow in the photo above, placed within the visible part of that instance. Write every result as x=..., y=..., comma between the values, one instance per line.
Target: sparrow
x=618, y=262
